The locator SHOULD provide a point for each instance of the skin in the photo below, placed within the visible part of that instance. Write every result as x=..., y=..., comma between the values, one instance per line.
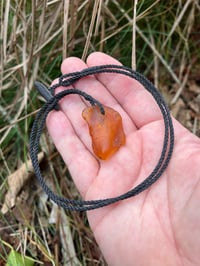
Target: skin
x=160, y=226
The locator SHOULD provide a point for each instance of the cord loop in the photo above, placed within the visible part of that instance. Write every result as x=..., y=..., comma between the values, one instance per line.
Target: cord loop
x=52, y=103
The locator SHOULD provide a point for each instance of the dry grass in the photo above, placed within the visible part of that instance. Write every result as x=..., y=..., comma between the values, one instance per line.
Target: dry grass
x=158, y=38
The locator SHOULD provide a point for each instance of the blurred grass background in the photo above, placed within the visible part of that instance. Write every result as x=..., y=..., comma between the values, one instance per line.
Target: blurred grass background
x=161, y=39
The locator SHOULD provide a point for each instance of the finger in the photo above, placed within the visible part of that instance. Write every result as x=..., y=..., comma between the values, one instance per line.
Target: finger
x=135, y=100
x=94, y=88
x=88, y=84
x=72, y=106
x=69, y=144
x=81, y=163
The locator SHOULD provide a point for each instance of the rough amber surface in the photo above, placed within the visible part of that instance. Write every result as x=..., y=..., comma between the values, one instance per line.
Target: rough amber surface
x=105, y=130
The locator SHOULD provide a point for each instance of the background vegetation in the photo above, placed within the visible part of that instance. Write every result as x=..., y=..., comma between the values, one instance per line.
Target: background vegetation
x=161, y=39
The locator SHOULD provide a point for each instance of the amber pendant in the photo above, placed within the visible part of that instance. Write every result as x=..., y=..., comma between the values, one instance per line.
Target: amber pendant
x=105, y=130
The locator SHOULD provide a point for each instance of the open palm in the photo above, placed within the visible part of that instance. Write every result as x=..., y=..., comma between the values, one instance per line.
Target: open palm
x=160, y=226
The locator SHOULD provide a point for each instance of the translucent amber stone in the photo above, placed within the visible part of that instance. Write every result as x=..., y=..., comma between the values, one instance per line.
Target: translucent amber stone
x=105, y=130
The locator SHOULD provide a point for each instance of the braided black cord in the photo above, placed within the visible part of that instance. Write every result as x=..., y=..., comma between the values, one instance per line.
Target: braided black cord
x=52, y=103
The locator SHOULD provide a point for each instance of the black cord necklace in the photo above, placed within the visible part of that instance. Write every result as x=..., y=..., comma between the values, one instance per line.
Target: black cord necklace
x=52, y=103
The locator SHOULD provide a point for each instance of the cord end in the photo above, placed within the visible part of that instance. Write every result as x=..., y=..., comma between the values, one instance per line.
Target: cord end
x=44, y=92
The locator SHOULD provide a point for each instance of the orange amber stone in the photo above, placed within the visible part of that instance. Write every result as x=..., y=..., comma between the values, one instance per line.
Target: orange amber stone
x=105, y=130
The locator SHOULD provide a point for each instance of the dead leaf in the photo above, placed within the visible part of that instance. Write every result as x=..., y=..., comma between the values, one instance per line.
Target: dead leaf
x=16, y=181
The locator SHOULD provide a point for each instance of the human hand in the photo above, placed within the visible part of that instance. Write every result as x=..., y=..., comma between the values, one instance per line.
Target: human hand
x=161, y=225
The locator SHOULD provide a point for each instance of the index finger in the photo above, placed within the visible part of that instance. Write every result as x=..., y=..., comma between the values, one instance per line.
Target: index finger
x=134, y=98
